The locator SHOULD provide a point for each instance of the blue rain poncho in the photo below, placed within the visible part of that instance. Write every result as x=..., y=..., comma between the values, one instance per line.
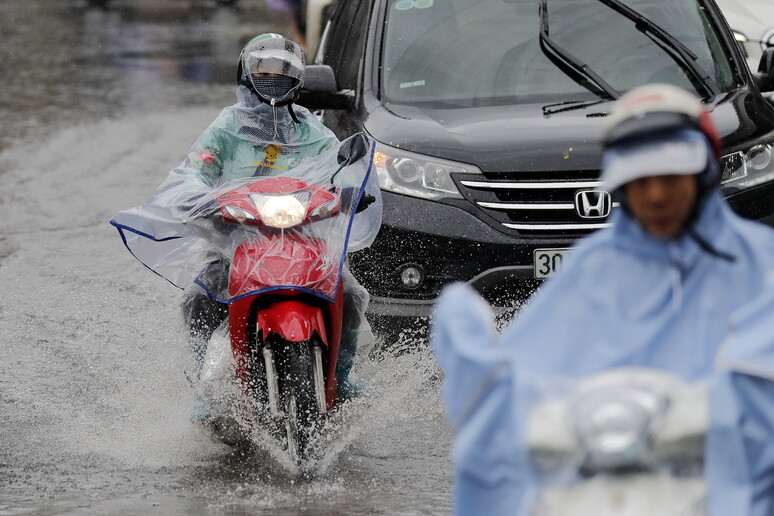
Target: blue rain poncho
x=624, y=298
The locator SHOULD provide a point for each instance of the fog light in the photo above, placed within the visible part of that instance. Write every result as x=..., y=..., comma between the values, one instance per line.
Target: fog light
x=412, y=276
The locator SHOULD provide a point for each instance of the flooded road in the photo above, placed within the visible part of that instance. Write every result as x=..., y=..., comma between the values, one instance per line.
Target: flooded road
x=65, y=62
x=94, y=404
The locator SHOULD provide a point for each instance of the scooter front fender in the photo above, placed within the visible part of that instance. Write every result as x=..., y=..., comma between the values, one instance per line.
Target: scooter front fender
x=294, y=321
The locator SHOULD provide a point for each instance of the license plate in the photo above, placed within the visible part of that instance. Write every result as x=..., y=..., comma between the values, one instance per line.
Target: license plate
x=548, y=262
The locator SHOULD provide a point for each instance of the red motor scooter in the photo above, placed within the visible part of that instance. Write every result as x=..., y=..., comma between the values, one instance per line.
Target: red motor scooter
x=284, y=290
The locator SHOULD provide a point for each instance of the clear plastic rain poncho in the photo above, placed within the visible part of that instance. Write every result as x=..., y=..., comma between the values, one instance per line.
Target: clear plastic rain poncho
x=181, y=232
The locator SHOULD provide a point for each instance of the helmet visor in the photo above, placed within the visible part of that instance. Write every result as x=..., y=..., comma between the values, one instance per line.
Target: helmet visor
x=281, y=58
x=676, y=152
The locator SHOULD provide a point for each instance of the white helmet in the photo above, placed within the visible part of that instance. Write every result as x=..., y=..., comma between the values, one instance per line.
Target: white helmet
x=659, y=129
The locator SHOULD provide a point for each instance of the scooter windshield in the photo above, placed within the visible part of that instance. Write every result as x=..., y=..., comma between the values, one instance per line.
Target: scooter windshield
x=256, y=234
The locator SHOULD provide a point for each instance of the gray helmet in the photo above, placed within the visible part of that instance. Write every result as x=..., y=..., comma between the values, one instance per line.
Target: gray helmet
x=272, y=67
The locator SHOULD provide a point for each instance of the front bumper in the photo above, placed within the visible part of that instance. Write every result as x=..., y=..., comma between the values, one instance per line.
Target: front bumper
x=755, y=203
x=447, y=244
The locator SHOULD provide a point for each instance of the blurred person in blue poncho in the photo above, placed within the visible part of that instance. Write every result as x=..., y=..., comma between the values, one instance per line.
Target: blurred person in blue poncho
x=678, y=283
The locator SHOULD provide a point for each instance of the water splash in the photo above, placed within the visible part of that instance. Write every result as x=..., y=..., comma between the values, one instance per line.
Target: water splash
x=94, y=400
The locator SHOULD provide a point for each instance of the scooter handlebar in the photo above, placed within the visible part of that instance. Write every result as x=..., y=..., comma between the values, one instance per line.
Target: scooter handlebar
x=365, y=201
x=347, y=197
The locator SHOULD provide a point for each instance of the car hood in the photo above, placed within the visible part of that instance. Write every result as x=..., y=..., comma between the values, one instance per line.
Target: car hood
x=522, y=138
x=497, y=138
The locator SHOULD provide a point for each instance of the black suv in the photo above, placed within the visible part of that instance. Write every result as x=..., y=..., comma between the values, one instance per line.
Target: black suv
x=488, y=115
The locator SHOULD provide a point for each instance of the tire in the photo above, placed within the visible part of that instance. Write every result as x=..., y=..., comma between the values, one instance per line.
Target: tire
x=302, y=417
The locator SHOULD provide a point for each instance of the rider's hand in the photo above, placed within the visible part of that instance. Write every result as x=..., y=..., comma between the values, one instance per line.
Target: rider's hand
x=220, y=224
x=209, y=211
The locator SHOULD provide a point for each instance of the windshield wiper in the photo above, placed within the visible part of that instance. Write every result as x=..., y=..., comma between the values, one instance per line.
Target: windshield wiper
x=671, y=45
x=570, y=105
x=571, y=65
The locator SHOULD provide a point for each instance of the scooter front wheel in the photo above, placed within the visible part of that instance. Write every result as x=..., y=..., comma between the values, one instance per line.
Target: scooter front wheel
x=302, y=415
x=292, y=434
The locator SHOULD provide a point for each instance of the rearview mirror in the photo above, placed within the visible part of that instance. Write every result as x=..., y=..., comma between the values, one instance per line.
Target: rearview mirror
x=765, y=76
x=320, y=90
x=353, y=149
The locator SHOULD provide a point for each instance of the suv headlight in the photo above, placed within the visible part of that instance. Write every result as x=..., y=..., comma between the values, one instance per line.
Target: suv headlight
x=745, y=169
x=417, y=175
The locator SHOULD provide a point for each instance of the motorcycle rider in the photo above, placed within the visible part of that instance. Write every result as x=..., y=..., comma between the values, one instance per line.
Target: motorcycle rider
x=263, y=134
x=675, y=276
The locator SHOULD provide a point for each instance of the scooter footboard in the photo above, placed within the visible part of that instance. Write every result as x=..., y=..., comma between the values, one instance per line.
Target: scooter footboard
x=293, y=321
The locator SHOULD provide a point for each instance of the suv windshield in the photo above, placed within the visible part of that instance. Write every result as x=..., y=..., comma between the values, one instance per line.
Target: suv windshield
x=486, y=52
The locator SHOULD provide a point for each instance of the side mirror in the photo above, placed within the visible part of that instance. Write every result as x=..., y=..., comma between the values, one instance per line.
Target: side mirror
x=765, y=76
x=353, y=149
x=320, y=90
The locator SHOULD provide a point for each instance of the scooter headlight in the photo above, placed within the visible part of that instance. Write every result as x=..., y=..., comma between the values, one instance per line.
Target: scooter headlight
x=282, y=211
x=615, y=424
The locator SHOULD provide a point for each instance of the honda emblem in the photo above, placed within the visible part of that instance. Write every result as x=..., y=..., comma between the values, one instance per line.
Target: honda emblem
x=593, y=204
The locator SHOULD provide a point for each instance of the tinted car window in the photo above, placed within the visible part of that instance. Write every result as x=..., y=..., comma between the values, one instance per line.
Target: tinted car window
x=488, y=51
x=350, y=65
x=345, y=50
